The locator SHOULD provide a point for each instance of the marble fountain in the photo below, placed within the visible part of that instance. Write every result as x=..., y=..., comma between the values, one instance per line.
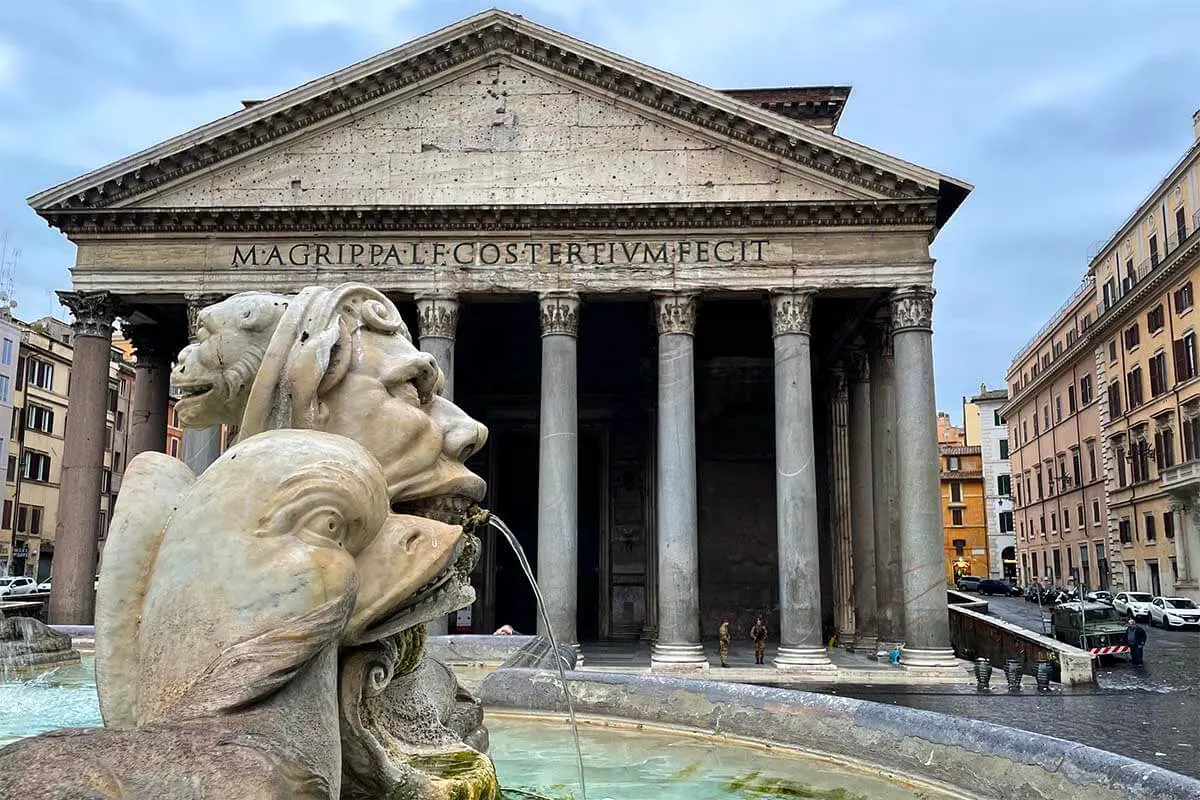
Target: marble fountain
x=260, y=627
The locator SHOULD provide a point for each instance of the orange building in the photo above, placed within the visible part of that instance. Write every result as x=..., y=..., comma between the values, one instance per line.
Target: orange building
x=964, y=511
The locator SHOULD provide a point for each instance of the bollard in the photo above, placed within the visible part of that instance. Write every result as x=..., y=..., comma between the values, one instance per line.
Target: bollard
x=983, y=674
x=1014, y=671
x=1042, y=675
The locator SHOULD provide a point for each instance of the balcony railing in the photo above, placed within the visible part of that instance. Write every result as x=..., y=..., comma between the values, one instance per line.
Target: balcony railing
x=1084, y=285
x=1145, y=269
x=1181, y=477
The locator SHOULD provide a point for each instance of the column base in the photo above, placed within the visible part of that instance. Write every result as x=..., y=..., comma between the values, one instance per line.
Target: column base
x=865, y=645
x=677, y=658
x=939, y=658
x=802, y=658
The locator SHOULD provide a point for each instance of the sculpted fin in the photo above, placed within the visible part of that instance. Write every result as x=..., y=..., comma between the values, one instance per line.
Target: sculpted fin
x=152, y=489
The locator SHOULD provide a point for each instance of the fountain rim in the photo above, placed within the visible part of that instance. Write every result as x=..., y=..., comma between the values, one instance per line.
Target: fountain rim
x=923, y=745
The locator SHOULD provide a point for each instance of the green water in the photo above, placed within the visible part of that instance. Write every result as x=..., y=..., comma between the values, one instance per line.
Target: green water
x=624, y=764
x=538, y=755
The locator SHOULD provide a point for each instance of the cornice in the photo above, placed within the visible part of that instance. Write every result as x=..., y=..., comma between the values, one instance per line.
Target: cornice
x=487, y=38
x=639, y=216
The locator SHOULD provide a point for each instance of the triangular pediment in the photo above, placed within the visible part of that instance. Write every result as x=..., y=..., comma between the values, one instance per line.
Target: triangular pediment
x=502, y=134
x=497, y=110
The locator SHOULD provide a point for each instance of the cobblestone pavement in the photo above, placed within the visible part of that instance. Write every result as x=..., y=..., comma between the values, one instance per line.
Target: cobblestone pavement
x=1151, y=713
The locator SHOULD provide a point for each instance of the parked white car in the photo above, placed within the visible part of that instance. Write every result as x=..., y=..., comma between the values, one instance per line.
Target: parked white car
x=1133, y=604
x=11, y=587
x=1174, y=612
x=44, y=586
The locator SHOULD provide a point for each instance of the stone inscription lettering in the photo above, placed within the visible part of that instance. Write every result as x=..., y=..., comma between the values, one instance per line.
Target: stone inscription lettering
x=474, y=253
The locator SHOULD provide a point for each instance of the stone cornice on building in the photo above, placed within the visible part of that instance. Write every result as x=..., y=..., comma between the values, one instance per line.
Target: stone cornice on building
x=959, y=450
x=635, y=216
x=494, y=37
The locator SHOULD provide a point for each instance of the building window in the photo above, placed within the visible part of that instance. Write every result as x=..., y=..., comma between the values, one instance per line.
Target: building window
x=953, y=461
x=1139, y=462
x=120, y=420
x=1066, y=520
x=1076, y=467
x=1057, y=563
x=108, y=437
x=1004, y=449
x=1164, y=448
x=1071, y=399
x=6, y=352
x=1133, y=387
x=40, y=374
x=174, y=447
x=35, y=466
x=29, y=520
x=39, y=419
x=11, y=474
x=960, y=547
x=1057, y=409
x=1114, y=399
x=5, y=389
x=1180, y=224
x=1183, y=298
x=956, y=517
x=112, y=398
x=1038, y=479
x=1123, y=532
x=1112, y=350
x=1189, y=432
x=1053, y=523
x=1132, y=337
x=1120, y=457
x=1158, y=374
x=1155, y=319
x=1131, y=573
x=1079, y=518
x=1154, y=250
x=1169, y=524
x=955, y=492
x=1091, y=448
x=1085, y=389
x=1006, y=522
x=1033, y=556
x=1185, y=357
x=1042, y=524
x=1148, y=527
x=1004, y=485
x=102, y=525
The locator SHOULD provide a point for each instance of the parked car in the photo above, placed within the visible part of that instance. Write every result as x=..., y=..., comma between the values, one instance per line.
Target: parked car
x=11, y=587
x=1172, y=612
x=1100, y=596
x=1095, y=626
x=991, y=586
x=1133, y=605
x=968, y=583
x=44, y=586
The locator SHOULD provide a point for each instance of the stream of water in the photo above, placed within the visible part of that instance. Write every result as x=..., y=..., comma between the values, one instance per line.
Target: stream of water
x=519, y=551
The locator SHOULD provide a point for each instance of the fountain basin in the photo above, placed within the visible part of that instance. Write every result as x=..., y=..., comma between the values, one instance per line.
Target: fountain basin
x=981, y=759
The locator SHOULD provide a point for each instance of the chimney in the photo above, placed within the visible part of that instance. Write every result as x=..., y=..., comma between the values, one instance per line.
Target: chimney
x=1196, y=124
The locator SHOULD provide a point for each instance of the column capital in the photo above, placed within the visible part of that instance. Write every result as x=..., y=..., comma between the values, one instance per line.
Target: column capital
x=559, y=313
x=878, y=333
x=858, y=368
x=437, y=315
x=94, y=312
x=196, y=302
x=912, y=309
x=677, y=312
x=837, y=386
x=791, y=312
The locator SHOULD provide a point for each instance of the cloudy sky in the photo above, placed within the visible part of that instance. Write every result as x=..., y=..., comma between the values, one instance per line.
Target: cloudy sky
x=1062, y=114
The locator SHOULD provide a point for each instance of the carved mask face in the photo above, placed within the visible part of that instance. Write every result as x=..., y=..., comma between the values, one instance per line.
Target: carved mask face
x=215, y=373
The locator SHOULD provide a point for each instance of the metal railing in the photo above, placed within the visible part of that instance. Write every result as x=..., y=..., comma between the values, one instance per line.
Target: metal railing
x=1083, y=286
x=1146, y=267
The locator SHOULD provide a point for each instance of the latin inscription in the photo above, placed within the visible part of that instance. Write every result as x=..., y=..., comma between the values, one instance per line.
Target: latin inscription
x=490, y=254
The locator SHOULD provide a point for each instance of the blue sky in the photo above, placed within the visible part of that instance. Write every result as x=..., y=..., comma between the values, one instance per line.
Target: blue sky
x=1062, y=114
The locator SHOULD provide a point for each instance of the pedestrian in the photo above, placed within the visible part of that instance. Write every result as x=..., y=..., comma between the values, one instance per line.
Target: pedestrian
x=1135, y=637
x=723, y=643
x=759, y=634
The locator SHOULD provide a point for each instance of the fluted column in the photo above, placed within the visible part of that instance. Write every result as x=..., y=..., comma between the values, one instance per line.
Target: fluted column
x=800, y=639
x=558, y=466
x=839, y=504
x=889, y=587
x=862, y=518
x=76, y=542
x=154, y=350
x=437, y=323
x=678, y=644
x=926, y=622
x=201, y=446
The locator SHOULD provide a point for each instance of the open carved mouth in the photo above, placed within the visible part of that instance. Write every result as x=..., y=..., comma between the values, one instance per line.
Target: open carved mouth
x=193, y=390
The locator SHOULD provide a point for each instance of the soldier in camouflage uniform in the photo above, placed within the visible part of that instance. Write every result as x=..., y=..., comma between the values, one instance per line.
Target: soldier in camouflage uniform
x=759, y=634
x=723, y=638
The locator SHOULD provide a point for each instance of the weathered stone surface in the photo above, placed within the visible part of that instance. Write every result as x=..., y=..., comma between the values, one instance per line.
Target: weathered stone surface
x=26, y=643
x=500, y=134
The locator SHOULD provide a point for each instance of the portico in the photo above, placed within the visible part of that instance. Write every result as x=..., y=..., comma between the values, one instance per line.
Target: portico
x=675, y=308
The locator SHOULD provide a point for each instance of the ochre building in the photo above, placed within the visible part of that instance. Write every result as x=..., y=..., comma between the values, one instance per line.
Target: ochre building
x=964, y=511
x=702, y=316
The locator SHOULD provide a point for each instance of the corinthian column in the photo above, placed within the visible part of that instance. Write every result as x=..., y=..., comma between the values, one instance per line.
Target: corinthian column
x=926, y=622
x=154, y=350
x=862, y=501
x=889, y=588
x=678, y=645
x=437, y=320
x=558, y=466
x=840, y=506
x=201, y=446
x=76, y=544
x=800, y=640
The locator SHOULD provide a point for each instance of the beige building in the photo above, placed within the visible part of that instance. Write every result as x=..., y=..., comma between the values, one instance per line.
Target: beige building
x=1055, y=448
x=35, y=449
x=1145, y=348
x=1105, y=413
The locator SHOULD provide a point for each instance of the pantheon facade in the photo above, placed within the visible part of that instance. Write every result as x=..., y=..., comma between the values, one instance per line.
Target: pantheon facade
x=696, y=322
